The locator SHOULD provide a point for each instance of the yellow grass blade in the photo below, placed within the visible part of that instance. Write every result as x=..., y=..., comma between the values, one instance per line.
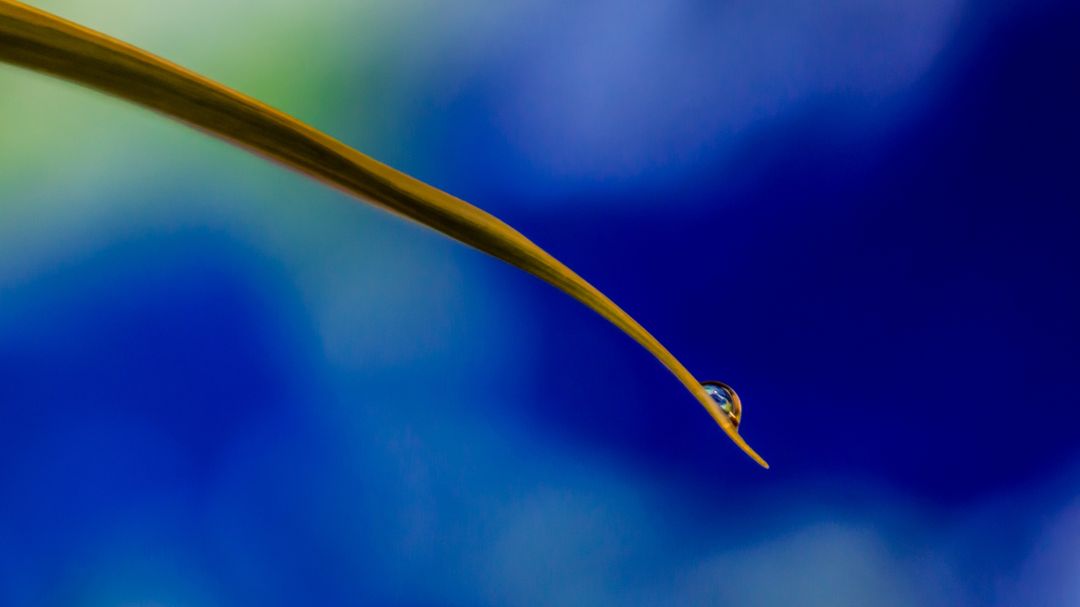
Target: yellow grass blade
x=40, y=41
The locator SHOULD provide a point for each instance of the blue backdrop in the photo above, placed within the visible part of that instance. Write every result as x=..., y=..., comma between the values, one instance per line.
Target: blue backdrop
x=221, y=384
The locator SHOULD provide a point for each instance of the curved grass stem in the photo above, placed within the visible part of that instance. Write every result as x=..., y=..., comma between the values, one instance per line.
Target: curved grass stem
x=40, y=41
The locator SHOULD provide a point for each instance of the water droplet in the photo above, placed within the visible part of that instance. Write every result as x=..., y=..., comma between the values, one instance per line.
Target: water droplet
x=726, y=398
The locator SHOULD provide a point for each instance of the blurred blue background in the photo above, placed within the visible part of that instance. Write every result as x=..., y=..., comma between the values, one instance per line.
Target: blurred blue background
x=222, y=384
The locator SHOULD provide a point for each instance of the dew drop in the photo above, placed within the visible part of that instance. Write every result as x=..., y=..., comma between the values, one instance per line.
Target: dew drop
x=726, y=398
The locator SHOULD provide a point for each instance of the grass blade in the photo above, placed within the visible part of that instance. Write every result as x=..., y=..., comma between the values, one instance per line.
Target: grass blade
x=46, y=43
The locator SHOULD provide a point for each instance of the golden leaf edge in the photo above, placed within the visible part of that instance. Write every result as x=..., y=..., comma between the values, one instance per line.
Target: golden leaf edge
x=40, y=41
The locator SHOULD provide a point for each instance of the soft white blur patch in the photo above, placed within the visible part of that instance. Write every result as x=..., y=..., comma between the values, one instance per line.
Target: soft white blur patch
x=1051, y=573
x=564, y=544
x=828, y=564
x=617, y=88
x=609, y=94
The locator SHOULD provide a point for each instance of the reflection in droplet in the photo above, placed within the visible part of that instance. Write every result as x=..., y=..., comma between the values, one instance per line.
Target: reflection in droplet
x=725, y=397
